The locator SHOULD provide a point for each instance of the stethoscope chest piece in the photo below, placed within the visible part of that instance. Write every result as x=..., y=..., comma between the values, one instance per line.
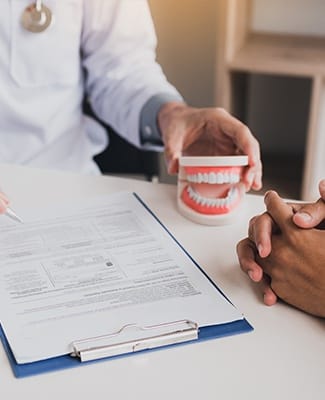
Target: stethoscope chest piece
x=36, y=17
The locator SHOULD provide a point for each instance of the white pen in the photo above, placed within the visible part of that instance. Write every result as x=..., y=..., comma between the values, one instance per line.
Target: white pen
x=11, y=214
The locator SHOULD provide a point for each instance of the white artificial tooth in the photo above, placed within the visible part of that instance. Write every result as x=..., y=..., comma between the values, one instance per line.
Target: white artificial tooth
x=233, y=195
x=199, y=177
x=215, y=203
x=212, y=178
x=236, y=178
x=189, y=191
x=219, y=177
x=226, y=178
x=205, y=178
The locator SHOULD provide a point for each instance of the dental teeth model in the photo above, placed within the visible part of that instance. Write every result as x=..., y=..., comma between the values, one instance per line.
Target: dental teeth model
x=209, y=190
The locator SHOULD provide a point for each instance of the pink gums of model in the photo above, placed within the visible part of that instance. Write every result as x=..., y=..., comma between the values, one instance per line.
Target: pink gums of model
x=208, y=187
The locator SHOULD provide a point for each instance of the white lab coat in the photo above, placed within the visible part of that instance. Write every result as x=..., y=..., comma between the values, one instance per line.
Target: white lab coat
x=106, y=47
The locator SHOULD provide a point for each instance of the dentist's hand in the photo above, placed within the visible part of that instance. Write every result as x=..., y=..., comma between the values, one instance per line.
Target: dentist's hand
x=4, y=201
x=208, y=132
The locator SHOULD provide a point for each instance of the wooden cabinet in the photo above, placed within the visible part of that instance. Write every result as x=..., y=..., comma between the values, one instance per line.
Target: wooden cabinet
x=241, y=51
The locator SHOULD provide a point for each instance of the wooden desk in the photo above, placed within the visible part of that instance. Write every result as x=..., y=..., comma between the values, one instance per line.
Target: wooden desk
x=282, y=359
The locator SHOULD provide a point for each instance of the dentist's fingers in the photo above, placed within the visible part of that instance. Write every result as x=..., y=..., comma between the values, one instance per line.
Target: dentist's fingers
x=253, y=176
x=4, y=201
x=321, y=188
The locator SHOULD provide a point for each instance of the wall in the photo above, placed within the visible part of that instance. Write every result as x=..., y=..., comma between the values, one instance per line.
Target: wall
x=278, y=106
x=186, y=31
x=289, y=16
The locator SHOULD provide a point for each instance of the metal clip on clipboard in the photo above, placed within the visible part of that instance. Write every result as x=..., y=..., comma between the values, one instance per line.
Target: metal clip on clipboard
x=143, y=338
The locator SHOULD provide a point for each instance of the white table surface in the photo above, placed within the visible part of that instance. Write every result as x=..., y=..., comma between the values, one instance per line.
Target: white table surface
x=284, y=358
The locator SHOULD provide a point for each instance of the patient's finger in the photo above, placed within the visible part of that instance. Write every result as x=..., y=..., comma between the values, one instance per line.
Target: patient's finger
x=280, y=211
x=246, y=252
x=310, y=215
x=269, y=297
x=260, y=232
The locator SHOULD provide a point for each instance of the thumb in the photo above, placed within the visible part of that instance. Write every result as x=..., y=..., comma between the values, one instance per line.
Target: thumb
x=172, y=165
x=310, y=215
x=280, y=211
x=322, y=189
x=173, y=150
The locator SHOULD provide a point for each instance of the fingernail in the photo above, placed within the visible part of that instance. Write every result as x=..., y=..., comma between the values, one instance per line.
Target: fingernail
x=260, y=249
x=265, y=298
x=249, y=181
x=322, y=184
x=267, y=196
x=250, y=274
x=304, y=216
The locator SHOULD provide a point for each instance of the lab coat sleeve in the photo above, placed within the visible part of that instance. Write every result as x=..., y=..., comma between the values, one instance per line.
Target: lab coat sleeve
x=119, y=58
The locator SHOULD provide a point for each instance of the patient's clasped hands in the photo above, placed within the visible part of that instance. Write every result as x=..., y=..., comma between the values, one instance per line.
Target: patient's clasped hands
x=285, y=252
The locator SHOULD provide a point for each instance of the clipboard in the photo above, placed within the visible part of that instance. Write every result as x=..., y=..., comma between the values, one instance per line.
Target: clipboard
x=146, y=338
x=88, y=355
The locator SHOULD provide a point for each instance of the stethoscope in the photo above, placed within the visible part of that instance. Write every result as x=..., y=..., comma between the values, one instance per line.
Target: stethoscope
x=36, y=17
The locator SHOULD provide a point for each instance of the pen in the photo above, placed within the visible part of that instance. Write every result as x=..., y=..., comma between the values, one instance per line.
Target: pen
x=11, y=214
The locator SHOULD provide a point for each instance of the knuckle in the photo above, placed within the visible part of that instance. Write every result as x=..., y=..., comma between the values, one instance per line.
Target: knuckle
x=252, y=221
x=221, y=110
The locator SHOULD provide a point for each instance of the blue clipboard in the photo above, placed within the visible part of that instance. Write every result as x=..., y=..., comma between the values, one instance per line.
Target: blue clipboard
x=69, y=361
x=66, y=361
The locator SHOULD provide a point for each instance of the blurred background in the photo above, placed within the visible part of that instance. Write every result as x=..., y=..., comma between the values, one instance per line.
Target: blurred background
x=278, y=104
x=265, y=62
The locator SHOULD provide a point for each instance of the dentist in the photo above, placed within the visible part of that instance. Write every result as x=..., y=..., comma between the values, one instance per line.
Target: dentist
x=53, y=53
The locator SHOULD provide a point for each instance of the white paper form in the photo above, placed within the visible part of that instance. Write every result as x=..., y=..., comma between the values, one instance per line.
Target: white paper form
x=89, y=269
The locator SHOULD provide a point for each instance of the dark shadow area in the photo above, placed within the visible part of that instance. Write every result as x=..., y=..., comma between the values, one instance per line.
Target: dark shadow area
x=120, y=157
x=276, y=109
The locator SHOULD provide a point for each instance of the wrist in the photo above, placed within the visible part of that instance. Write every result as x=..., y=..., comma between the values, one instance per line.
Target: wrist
x=149, y=128
x=167, y=113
